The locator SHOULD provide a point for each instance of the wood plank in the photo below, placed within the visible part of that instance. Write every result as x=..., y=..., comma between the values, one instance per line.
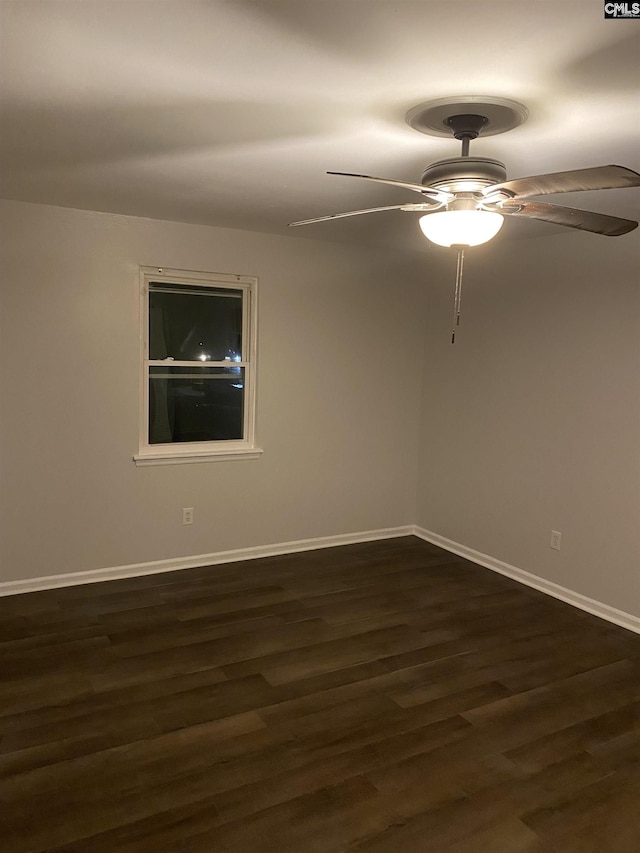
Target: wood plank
x=377, y=697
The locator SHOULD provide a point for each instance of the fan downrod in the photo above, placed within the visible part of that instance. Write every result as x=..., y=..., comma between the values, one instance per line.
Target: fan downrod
x=466, y=127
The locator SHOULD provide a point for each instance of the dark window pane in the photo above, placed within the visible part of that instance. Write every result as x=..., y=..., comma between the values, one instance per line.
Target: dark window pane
x=203, y=406
x=195, y=325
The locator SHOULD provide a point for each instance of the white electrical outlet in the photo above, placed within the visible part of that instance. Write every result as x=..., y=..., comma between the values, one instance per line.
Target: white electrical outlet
x=556, y=536
x=187, y=515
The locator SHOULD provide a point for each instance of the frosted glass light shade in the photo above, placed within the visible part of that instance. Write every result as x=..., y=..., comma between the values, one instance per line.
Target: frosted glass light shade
x=461, y=227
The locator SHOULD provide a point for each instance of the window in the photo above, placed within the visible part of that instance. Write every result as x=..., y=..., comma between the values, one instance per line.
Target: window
x=198, y=347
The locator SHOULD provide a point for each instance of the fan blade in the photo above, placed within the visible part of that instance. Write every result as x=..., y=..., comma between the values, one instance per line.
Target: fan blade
x=408, y=207
x=583, y=220
x=598, y=178
x=439, y=195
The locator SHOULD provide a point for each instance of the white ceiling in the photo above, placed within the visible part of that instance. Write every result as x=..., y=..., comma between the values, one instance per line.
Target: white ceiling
x=230, y=113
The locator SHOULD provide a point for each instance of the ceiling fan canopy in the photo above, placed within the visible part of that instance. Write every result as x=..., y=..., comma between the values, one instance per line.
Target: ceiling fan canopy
x=464, y=199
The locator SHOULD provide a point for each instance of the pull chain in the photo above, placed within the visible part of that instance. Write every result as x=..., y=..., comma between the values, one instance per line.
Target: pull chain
x=458, y=296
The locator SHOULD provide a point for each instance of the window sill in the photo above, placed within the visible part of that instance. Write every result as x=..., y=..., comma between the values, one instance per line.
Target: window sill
x=151, y=458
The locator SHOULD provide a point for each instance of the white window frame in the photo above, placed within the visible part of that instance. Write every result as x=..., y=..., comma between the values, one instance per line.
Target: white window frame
x=200, y=451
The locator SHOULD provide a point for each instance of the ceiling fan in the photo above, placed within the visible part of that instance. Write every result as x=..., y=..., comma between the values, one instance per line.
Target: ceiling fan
x=464, y=199
x=471, y=185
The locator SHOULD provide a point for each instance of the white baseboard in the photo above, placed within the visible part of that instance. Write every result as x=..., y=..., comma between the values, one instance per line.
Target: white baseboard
x=611, y=614
x=177, y=563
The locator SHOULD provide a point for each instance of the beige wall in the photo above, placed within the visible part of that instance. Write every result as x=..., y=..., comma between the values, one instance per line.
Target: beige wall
x=339, y=364
x=531, y=422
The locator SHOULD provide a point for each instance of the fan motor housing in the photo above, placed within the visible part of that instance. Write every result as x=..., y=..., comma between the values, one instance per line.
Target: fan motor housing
x=464, y=174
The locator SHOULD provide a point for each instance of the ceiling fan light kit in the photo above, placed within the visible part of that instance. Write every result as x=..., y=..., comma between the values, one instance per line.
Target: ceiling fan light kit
x=461, y=227
x=464, y=199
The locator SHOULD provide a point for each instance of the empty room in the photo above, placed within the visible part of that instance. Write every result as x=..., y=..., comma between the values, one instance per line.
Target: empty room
x=320, y=426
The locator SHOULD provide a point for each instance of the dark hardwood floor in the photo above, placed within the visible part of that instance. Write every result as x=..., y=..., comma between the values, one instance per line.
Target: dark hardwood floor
x=387, y=697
